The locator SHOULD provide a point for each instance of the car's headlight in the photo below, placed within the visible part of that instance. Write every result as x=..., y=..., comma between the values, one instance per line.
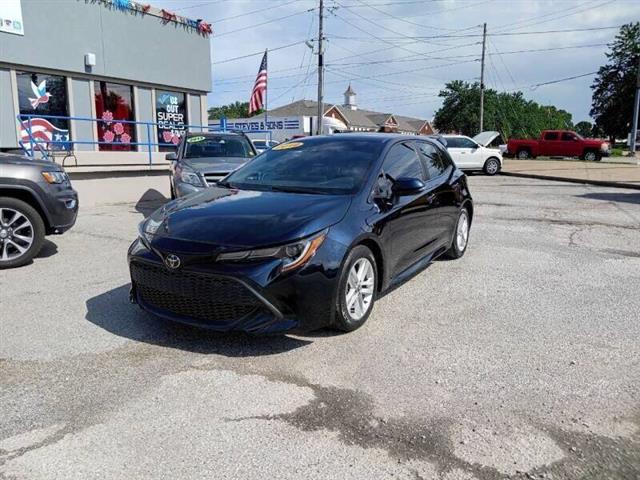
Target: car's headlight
x=147, y=229
x=191, y=178
x=55, y=177
x=293, y=255
x=604, y=147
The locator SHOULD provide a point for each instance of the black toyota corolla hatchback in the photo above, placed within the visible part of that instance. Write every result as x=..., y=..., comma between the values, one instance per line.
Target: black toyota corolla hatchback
x=304, y=236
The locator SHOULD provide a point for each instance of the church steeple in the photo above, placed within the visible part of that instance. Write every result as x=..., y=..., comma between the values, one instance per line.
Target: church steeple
x=350, y=98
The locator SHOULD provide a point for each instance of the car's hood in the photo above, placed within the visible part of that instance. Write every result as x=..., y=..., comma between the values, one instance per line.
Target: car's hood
x=214, y=165
x=246, y=219
x=485, y=138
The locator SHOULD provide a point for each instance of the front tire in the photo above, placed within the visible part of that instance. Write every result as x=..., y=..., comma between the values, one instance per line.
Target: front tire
x=591, y=156
x=356, y=289
x=21, y=232
x=460, y=236
x=491, y=166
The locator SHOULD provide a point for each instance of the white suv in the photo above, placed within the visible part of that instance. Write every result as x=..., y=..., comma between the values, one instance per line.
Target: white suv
x=473, y=154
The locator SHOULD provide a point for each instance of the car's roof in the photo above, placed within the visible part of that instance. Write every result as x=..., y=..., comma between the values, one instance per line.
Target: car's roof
x=453, y=135
x=214, y=134
x=369, y=136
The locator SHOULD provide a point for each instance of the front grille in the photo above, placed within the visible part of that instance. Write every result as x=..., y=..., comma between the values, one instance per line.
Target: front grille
x=194, y=295
x=212, y=178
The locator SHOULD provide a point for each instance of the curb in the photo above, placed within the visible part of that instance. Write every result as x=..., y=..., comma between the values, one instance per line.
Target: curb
x=600, y=183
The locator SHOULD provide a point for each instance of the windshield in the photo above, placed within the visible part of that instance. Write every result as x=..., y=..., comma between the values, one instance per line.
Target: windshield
x=201, y=146
x=324, y=165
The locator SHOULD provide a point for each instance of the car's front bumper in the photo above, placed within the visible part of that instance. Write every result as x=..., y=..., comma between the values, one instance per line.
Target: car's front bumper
x=255, y=298
x=62, y=204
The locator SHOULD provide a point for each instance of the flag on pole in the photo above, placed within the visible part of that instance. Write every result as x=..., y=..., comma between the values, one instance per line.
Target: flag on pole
x=256, y=102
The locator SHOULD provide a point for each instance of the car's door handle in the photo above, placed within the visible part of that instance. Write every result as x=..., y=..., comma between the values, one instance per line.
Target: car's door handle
x=431, y=198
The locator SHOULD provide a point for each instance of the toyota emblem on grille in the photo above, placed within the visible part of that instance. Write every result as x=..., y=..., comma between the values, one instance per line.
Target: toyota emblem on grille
x=172, y=261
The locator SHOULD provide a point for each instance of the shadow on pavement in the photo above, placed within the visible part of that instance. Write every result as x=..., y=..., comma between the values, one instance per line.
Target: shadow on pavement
x=613, y=197
x=150, y=201
x=112, y=311
x=48, y=249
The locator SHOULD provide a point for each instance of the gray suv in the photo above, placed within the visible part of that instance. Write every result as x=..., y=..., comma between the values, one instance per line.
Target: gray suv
x=36, y=199
x=205, y=158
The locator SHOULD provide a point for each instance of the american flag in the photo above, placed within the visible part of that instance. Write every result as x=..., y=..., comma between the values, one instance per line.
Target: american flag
x=256, y=102
x=42, y=132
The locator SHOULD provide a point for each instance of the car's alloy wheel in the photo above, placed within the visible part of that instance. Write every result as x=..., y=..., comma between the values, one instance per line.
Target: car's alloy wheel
x=461, y=236
x=491, y=166
x=462, y=231
x=590, y=156
x=21, y=232
x=359, y=289
x=523, y=154
x=356, y=289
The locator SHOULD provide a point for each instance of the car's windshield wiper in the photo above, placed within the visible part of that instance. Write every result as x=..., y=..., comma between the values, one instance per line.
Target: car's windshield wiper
x=288, y=189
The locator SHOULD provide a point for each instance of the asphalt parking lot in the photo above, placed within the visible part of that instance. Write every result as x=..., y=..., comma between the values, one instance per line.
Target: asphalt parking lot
x=520, y=360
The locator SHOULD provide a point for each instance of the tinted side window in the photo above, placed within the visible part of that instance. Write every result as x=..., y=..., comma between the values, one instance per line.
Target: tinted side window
x=402, y=161
x=568, y=136
x=454, y=142
x=437, y=162
x=551, y=136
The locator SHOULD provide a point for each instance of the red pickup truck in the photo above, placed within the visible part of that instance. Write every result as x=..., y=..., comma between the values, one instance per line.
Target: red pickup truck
x=559, y=143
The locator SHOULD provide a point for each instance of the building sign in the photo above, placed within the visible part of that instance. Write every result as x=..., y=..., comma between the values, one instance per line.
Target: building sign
x=171, y=114
x=41, y=96
x=248, y=124
x=11, y=17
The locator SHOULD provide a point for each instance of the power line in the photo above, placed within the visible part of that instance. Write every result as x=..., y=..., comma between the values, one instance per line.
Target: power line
x=260, y=10
x=533, y=87
x=499, y=34
x=253, y=26
x=261, y=52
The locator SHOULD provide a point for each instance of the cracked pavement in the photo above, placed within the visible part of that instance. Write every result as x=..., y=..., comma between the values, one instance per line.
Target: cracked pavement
x=521, y=360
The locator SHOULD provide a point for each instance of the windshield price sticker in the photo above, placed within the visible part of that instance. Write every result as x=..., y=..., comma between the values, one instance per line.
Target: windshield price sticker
x=195, y=139
x=287, y=146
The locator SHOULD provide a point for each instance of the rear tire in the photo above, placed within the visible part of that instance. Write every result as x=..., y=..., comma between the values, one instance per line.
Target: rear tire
x=460, y=236
x=21, y=232
x=523, y=154
x=357, y=289
x=491, y=166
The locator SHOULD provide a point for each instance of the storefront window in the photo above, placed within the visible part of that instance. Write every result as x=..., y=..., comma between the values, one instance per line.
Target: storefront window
x=171, y=114
x=40, y=96
x=114, y=103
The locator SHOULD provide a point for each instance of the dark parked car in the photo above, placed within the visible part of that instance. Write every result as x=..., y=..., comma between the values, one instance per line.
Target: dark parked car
x=306, y=235
x=36, y=199
x=204, y=158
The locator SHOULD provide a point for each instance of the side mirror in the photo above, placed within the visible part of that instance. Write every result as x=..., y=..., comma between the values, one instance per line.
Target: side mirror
x=407, y=186
x=172, y=157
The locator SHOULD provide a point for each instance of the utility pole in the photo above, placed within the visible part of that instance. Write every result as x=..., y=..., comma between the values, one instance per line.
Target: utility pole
x=484, y=43
x=636, y=107
x=320, y=74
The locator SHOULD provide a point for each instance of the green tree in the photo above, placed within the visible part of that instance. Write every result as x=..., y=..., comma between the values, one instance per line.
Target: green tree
x=584, y=128
x=232, y=110
x=506, y=112
x=614, y=86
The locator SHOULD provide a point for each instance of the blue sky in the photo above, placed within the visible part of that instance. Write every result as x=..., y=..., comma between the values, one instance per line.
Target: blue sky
x=398, y=54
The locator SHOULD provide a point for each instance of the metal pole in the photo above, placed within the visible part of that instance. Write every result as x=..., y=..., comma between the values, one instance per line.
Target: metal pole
x=149, y=144
x=320, y=74
x=266, y=94
x=636, y=107
x=484, y=42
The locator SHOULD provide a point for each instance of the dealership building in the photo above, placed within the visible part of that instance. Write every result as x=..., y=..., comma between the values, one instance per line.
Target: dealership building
x=114, y=81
